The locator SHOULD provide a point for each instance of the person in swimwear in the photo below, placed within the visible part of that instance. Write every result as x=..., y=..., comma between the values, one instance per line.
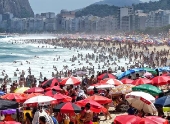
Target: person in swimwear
x=88, y=117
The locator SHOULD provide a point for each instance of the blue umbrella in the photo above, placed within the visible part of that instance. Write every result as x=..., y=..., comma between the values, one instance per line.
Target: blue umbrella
x=163, y=69
x=1, y=93
x=163, y=101
x=138, y=69
x=126, y=73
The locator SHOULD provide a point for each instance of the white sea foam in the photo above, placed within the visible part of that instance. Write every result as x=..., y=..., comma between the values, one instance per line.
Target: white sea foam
x=45, y=59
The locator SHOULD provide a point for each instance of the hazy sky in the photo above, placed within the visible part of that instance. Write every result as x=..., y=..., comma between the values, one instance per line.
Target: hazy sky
x=39, y=6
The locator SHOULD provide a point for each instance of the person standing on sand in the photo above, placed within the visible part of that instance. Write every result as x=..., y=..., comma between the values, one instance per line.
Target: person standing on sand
x=88, y=117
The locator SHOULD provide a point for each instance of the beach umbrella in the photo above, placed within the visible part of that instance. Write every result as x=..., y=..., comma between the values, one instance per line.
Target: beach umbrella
x=126, y=73
x=70, y=81
x=163, y=69
x=9, y=111
x=157, y=119
x=10, y=122
x=62, y=98
x=122, y=89
x=163, y=101
x=35, y=90
x=39, y=99
x=126, y=81
x=111, y=81
x=141, y=81
x=1, y=93
x=51, y=82
x=100, y=99
x=94, y=106
x=21, y=89
x=81, y=73
x=7, y=104
x=147, y=74
x=152, y=121
x=28, y=96
x=19, y=97
x=152, y=71
x=160, y=80
x=148, y=89
x=50, y=93
x=106, y=75
x=57, y=88
x=67, y=107
x=141, y=101
x=126, y=119
x=100, y=86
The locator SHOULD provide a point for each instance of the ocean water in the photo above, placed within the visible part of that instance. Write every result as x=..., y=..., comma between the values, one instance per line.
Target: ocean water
x=22, y=52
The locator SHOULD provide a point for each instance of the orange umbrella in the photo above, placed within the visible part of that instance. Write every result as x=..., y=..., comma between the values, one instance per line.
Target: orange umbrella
x=100, y=99
x=94, y=106
x=141, y=81
x=19, y=97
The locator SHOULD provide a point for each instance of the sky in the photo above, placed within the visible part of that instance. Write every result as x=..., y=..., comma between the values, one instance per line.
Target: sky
x=56, y=6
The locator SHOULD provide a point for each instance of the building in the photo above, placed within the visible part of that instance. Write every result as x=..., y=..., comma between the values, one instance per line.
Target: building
x=7, y=16
x=158, y=18
x=124, y=18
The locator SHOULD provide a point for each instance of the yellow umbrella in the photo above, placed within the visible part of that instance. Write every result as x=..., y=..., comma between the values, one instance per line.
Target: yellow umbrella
x=122, y=89
x=21, y=89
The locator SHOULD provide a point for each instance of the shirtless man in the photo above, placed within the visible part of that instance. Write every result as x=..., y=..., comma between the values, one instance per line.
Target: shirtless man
x=88, y=118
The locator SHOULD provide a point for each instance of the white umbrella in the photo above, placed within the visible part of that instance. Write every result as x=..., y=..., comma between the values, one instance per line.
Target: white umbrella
x=141, y=101
x=39, y=99
x=101, y=86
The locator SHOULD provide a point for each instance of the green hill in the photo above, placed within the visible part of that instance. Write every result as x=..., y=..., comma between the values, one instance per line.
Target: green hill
x=106, y=10
x=152, y=6
x=97, y=10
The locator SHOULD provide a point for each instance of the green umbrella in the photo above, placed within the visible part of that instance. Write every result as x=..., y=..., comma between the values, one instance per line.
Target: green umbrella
x=150, y=70
x=148, y=88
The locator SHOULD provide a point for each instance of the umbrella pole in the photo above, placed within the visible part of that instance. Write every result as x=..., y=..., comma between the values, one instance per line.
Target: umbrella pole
x=18, y=115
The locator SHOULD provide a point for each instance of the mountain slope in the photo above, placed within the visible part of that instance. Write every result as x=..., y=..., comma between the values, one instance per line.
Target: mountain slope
x=119, y=3
x=152, y=6
x=20, y=8
x=97, y=10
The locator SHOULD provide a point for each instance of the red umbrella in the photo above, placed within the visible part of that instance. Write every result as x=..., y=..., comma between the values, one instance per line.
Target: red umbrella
x=141, y=81
x=35, y=90
x=14, y=96
x=62, y=98
x=10, y=122
x=100, y=99
x=111, y=81
x=50, y=93
x=94, y=106
x=67, y=107
x=70, y=81
x=57, y=88
x=158, y=119
x=51, y=82
x=160, y=80
x=127, y=81
x=106, y=75
x=126, y=119
x=153, y=120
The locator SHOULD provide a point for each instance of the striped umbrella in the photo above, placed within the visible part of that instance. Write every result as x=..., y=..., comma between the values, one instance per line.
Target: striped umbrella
x=111, y=81
x=70, y=81
x=67, y=107
x=51, y=82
